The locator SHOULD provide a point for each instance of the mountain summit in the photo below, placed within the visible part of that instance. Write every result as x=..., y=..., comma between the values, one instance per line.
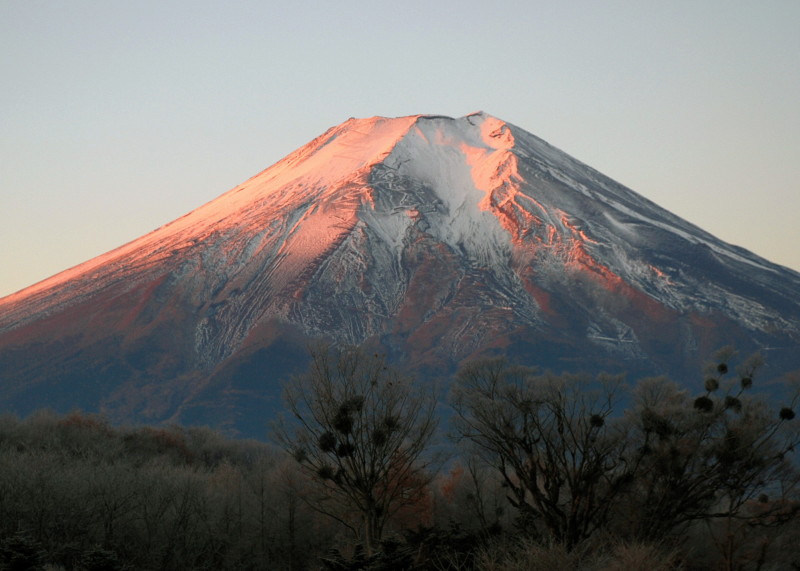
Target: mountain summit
x=431, y=238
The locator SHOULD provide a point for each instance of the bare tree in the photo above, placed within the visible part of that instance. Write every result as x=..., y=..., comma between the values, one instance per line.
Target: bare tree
x=708, y=457
x=551, y=440
x=360, y=430
x=670, y=459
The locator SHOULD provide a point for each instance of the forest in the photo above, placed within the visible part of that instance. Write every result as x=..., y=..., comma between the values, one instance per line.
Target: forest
x=369, y=469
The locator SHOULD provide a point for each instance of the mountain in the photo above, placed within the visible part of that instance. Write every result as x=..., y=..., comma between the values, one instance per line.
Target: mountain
x=431, y=238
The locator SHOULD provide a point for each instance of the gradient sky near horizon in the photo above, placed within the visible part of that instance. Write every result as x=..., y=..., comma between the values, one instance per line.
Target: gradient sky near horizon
x=117, y=117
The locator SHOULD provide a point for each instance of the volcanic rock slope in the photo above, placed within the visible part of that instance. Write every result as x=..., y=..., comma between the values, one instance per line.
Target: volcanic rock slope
x=431, y=238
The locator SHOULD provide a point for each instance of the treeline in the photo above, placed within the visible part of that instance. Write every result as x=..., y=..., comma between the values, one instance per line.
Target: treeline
x=533, y=471
x=77, y=493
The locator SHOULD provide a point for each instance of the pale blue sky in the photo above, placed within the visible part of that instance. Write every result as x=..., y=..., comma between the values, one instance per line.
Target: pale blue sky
x=117, y=117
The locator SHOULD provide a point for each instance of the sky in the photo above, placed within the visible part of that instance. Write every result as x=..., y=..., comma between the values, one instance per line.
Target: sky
x=117, y=117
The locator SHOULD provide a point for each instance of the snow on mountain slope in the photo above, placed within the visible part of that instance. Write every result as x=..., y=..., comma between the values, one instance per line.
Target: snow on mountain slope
x=435, y=238
x=479, y=203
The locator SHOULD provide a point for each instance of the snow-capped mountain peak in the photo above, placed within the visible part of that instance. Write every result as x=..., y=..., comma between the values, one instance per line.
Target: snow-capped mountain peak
x=434, y=238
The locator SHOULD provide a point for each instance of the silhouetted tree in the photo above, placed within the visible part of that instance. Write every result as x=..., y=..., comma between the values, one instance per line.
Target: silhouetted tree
x=551, y=440
x=670, y=459
x=360, y=429
x=706, y=456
